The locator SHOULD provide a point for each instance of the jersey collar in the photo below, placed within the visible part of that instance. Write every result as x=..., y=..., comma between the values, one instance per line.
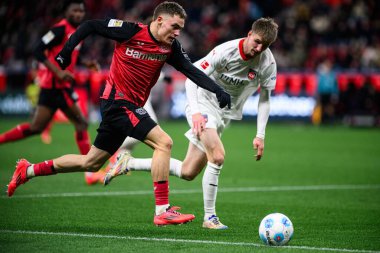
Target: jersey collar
x=151, y=35
x=241, y=51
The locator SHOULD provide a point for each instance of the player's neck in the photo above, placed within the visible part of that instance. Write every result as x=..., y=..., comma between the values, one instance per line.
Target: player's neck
x=153, y=30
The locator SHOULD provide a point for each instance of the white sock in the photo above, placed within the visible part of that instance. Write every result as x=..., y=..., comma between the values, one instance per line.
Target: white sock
x=210, y=188
x=129, y=143
x=175, y=167
x=138, y=164
x=30, y=171
x=161, y=209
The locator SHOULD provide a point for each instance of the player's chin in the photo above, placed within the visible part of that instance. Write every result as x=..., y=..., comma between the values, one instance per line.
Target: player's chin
x=170, y=40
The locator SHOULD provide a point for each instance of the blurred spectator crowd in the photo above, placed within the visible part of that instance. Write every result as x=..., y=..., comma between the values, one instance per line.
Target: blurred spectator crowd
x=333, y=44
x=347, y=32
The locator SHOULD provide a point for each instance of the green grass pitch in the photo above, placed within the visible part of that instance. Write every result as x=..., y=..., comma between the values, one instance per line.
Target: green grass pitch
x=325, y=179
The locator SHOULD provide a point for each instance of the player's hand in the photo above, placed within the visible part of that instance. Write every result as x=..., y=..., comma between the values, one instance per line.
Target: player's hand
x=199, y=123
x=224, y=98
x=63, y=59
x=258, y=145
x=65, y=75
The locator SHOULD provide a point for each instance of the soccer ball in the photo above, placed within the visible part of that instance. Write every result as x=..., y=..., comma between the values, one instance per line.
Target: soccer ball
x=276, y=229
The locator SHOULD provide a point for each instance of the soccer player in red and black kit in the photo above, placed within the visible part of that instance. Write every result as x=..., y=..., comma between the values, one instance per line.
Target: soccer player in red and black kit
x=139, y=55
x=56, y=84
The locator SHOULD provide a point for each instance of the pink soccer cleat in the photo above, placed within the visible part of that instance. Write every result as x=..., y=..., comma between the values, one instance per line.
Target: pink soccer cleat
x=19, y=176
x=92, y=178
x=172, y=217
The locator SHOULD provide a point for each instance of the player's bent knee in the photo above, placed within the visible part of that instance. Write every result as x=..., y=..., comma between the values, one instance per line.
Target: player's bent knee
x=188, y=177
x=218, y=159
x=165, y=144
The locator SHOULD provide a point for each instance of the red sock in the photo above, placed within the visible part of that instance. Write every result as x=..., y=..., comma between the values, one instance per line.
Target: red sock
x=19, y=132
x=83, y=141
x=161, y=192
x=44, y=169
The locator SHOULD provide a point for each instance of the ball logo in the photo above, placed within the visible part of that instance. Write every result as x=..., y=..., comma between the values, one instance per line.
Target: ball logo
x=268, y=223
x=286, y=222
x=251, y=74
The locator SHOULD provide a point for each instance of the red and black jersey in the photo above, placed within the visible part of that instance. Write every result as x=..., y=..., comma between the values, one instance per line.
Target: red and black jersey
x=48, y=47
x=137, y=60
x=136, y=66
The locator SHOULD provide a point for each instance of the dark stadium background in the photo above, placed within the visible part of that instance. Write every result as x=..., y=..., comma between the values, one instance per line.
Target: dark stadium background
x=318, y=40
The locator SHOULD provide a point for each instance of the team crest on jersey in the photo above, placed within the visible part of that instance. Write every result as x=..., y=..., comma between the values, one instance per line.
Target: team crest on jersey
x=115, y=23
x=205, y=64
x=251, y=74
x=140, y=111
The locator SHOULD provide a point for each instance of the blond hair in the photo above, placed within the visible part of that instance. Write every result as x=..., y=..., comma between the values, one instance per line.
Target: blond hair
x=267, y=28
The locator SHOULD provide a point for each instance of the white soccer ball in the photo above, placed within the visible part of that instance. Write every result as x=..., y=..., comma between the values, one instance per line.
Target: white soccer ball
x=276, y=229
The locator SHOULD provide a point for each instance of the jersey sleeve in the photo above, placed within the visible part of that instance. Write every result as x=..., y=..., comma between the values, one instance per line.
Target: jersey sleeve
x=52, y=38
x=268, y=76
x=207, y=65
x=214, y=60
x=180, y=61
x=114, y=29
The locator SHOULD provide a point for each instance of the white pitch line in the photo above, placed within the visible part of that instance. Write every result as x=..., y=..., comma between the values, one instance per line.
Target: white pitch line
x=178, y=240
x=190, y=191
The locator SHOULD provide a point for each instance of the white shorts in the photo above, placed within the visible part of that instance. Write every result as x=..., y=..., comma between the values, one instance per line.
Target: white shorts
x=214, y=118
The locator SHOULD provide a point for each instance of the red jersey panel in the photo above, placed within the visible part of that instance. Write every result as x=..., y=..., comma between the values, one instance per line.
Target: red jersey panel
x=136, y=66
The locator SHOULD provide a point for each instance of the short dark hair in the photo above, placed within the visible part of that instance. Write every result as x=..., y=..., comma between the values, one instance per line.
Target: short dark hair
x=171, y=8
x=67, y=3
x=267, y=28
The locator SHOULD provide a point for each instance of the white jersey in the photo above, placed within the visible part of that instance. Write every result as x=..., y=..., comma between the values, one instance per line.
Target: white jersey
x=227, y=65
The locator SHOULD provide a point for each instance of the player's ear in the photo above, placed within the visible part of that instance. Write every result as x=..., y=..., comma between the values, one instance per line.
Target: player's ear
x=249, y=33
x=160, y=19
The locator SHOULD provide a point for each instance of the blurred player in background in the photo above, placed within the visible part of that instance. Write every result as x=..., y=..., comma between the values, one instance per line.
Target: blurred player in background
x=32, y=92
x=241, y=67
x=56, y=91
x=139, y=55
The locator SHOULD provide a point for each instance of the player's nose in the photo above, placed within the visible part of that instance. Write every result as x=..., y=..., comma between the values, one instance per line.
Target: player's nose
x=259, y=48
x=176, y=32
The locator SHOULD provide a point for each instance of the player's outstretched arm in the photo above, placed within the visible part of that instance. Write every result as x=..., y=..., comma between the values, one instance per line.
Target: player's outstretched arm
x=52, y=38
x=182, y=63
x=110, y=28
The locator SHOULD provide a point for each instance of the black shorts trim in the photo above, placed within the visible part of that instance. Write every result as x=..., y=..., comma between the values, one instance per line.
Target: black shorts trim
x=121, y=119
x=57, y=98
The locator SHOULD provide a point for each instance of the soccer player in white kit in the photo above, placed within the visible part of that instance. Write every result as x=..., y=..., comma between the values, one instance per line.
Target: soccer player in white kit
x=240, y=67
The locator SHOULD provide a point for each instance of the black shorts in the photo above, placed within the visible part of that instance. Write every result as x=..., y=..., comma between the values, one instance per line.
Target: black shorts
x=121, y=119
x=57, y=98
